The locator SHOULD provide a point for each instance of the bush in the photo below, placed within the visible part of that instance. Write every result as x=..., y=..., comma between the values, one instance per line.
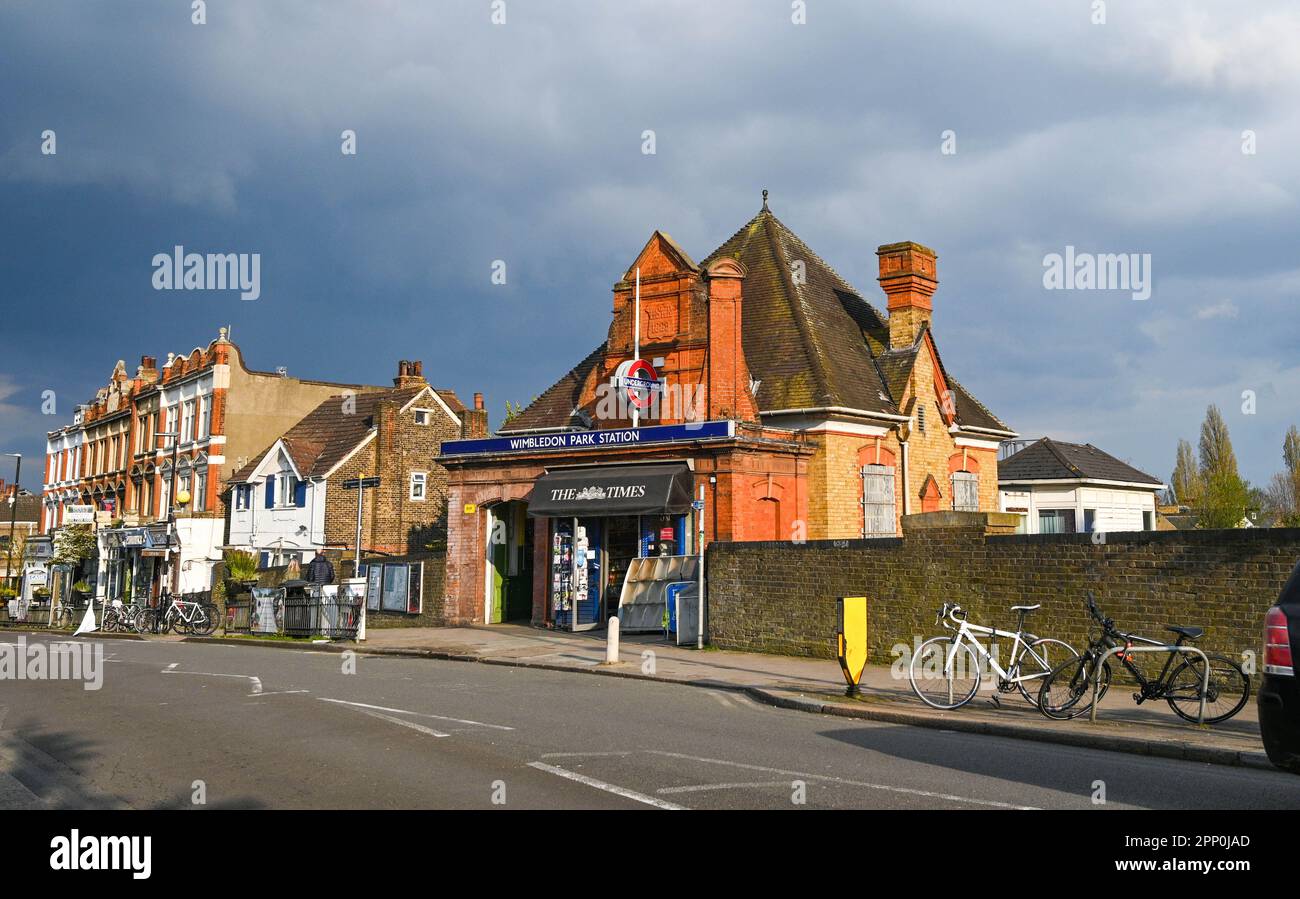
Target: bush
x=240, y=566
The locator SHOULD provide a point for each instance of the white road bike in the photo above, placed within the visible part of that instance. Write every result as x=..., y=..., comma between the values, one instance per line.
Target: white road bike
x=945, y=671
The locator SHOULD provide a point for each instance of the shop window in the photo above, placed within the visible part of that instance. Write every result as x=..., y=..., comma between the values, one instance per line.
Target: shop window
x=965, y=491
x=878, y=501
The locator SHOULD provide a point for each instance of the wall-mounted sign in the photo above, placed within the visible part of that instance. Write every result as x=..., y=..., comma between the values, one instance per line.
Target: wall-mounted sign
x=470, y=508
x=589, y=440
x=78, y=514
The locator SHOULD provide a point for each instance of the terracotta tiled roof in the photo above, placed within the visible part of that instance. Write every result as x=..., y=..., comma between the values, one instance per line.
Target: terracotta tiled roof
x=327, y=434
x=1049, y=459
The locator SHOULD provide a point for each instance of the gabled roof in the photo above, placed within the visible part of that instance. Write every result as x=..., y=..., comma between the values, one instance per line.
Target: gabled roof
x=333, y=430
x=802, y=324
x=1048, y=460
x=810, y=339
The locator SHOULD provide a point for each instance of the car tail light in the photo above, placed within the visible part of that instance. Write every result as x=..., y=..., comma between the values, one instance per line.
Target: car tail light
x=1277, y=644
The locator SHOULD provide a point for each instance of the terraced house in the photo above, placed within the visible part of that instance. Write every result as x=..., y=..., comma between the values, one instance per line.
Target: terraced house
x=112, y=457
x=803, y=412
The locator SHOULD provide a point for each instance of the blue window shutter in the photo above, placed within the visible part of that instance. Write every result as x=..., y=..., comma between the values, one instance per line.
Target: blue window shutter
x=264, y=559
x=300, y=494
x=270, y=492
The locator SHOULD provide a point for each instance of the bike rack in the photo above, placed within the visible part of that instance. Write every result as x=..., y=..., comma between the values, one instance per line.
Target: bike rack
x=1101, y=666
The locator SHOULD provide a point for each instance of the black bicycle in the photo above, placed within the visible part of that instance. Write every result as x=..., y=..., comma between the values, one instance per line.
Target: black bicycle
x=1067, y=692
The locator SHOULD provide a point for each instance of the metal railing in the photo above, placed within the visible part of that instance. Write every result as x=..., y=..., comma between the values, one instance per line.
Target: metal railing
x=1169, y=647
x=312, y=613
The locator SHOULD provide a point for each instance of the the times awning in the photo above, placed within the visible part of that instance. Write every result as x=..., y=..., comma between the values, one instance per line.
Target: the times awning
x=612, y=490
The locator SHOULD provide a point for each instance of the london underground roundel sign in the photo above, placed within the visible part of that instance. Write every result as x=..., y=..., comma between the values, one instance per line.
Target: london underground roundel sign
x=639, y=381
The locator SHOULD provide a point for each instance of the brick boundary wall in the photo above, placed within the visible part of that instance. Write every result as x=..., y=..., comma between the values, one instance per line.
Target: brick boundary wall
x=779, y=597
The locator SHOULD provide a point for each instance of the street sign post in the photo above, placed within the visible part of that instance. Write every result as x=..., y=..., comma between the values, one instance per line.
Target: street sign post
x=360, y=485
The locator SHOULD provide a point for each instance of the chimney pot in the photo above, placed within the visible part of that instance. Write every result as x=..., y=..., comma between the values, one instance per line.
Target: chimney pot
x=478, y=401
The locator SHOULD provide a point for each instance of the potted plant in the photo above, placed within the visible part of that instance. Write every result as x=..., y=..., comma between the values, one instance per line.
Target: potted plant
x=81, y=590
x=241, y=571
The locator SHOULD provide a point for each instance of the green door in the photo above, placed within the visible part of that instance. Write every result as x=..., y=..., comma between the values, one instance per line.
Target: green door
x=499, y=553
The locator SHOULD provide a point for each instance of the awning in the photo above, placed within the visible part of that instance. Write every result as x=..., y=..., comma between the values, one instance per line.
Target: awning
x=612, y=490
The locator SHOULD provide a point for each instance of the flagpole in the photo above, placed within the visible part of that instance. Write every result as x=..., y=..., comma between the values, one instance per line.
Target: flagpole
x=636, y=339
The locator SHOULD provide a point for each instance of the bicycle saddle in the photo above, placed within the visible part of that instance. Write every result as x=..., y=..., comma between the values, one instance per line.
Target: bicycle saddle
x=1026, y=608
x=1191, y=633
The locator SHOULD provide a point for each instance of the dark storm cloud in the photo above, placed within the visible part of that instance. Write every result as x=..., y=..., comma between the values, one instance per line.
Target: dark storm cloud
x=523, y=143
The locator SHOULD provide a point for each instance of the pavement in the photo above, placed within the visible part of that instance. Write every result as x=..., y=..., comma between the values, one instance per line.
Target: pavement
x=816, y=685
x=178, y=724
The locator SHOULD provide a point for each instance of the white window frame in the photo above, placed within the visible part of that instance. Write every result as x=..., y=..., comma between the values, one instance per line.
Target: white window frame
x=286, y=485
x=205, y=418
x=428, y=417
x=187, y=421
x=418, y=479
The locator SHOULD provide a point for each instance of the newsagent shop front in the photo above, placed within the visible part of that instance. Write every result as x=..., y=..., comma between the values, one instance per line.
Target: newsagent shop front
x=544, y=528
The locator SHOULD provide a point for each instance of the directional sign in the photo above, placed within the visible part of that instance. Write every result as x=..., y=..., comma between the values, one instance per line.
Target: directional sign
x=354, y=483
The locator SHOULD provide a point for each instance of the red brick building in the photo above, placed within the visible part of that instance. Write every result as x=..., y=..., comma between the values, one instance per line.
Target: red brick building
x=798, y=409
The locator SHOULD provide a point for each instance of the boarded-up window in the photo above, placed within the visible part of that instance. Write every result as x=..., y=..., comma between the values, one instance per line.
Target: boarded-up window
x=878, y=501
x=965, y=491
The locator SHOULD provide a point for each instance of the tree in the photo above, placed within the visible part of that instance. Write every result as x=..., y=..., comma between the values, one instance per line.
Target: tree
x=1225, y=499
x=1216, y=446
x=1291, y=450
x=73, y=545
x=1225, y=496
x=1282, y=501
x=1185, y=484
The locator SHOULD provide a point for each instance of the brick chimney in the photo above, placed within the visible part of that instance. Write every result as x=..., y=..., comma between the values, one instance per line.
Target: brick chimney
x=908, y=278
x=475, y=421
x=728, y=380
x=409, y=374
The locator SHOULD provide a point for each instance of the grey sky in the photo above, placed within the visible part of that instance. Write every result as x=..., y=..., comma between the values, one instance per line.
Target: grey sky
x=522, y=142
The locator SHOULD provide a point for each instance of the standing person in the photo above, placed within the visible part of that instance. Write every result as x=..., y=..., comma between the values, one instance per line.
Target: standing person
x=320, y=570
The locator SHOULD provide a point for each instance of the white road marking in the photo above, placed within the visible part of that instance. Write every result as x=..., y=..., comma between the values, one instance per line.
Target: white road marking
x=580, y=755
x=700, y=788
x=255, y=681
x=279, y=693
x=380, y=708
x=173, y=665
x=608, y=788
x=402, y=721
x=929, y=794
x=722, y=700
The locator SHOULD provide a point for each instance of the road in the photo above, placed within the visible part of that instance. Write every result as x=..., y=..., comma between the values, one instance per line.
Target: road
x=250, y=727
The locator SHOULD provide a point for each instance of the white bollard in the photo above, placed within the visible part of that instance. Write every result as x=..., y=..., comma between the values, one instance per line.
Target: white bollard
x=611, y=642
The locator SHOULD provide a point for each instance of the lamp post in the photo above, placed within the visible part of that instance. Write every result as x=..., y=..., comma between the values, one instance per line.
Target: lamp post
x=171, y=522
x=13, y=513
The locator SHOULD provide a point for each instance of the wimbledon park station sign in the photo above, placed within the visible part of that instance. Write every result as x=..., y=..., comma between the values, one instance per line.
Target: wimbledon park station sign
x=586, y=440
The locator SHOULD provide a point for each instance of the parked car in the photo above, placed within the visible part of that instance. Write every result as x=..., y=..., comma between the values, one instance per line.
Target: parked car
x=1279, y=696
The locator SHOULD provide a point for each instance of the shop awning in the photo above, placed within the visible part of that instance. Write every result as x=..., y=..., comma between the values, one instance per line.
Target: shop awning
x=612, y=490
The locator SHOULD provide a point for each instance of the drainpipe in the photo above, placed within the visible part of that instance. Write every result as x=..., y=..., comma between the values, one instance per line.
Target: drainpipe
x=907, y=490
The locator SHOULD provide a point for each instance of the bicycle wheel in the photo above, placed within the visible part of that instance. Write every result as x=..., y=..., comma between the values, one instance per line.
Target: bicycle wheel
x=1067, y=692
x=110, y=622
x=205, y=621
x=1229, y=689
x=1038, y=660
x=940, y=688
x=144, y=621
